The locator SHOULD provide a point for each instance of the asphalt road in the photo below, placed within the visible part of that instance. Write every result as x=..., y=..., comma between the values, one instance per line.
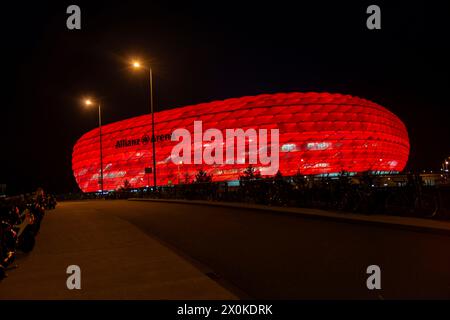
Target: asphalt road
x=274, y=256
x=116, y=261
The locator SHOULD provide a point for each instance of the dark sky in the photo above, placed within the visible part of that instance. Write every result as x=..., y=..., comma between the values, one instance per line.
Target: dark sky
x=203, y=51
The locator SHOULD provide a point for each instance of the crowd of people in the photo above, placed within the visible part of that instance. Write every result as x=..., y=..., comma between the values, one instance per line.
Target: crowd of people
x=345, y=193
x=20, y=222
x=365, y=192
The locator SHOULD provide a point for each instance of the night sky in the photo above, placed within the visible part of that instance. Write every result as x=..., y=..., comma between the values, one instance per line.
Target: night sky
x=204, y=51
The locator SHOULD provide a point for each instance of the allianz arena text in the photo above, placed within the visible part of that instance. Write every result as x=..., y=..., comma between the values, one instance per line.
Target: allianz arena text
x=317, y=133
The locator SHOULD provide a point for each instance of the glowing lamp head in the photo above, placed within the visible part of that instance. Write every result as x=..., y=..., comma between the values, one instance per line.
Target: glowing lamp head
x=88, y=102
x=136, y=64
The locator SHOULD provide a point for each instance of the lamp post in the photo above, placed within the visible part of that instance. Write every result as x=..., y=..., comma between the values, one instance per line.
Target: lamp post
x=179, y=163
x=445, y=167
x=138, y=65
x=89, y=102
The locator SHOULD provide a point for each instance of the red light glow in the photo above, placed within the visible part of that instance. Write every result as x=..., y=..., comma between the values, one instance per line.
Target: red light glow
x=319, y=133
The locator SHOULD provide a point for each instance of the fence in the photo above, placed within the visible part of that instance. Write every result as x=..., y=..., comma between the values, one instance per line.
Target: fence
x=342, y=194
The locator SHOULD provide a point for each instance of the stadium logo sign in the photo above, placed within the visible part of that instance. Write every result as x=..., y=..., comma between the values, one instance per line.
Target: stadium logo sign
x=209, y=147
x=122, y=143
x=127, y=143
x=145, y=139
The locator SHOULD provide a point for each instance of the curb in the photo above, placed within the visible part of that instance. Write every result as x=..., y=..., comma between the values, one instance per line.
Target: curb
x=412, y=224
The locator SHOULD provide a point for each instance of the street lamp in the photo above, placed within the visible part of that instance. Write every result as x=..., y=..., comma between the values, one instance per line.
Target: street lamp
x=179, y=163
x=88, y=103
x=137, y=65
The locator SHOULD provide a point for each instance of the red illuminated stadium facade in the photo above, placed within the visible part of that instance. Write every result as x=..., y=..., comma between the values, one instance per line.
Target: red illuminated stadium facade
x=319, y=133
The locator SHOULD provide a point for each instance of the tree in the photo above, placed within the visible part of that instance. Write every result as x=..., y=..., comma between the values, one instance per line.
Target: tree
x=279, y=190
x=202, y=177
x=250, y=173
x=299, y=180
x=124, y=190
x=187, y=178
x=278, y=176
x=126, y=186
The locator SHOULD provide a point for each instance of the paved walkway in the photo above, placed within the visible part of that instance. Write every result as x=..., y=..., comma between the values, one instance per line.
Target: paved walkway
x=418, y=224
x=117, y=261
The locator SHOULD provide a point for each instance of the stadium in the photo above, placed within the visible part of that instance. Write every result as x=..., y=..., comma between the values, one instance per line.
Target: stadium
x=319, y=134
